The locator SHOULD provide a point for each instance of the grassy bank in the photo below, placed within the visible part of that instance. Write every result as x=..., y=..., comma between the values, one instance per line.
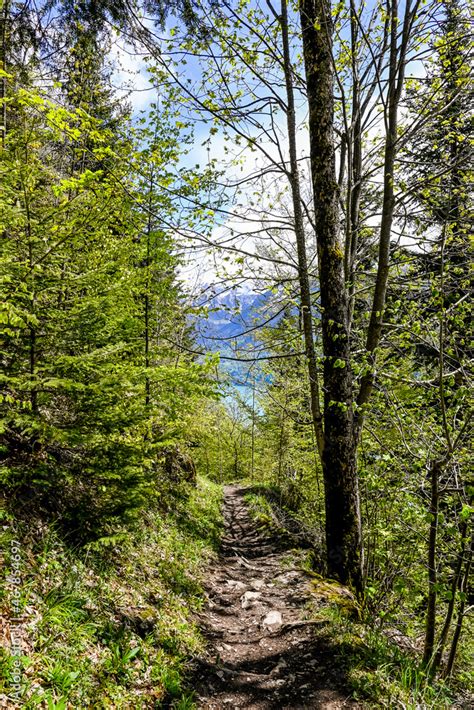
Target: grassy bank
x=109, y=626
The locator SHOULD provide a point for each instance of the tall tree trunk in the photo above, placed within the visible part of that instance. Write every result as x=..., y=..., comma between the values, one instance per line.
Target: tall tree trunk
x=343, y=528
x=354, y=167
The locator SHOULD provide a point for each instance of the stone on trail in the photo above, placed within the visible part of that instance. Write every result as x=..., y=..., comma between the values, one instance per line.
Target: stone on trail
x=273, y=618
x=236, y=584
x=248, y=599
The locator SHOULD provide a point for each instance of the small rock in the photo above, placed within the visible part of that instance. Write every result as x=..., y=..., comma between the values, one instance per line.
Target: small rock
x=273, y=618
x=257, y=583
x=248, y=599
x=251, y=595
x=236, y=584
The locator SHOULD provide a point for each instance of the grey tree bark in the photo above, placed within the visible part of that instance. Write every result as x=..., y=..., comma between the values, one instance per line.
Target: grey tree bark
x=343, y=526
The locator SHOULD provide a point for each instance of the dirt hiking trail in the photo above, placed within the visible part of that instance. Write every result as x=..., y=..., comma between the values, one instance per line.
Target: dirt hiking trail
x=263, y=652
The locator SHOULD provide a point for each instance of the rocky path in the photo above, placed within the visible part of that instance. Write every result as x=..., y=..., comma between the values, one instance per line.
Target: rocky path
x=263, y=650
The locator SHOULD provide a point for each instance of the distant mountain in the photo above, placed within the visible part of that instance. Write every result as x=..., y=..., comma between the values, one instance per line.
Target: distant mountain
x=230, y=315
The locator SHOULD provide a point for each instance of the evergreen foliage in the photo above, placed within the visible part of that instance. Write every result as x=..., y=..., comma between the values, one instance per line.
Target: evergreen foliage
x=93, y=392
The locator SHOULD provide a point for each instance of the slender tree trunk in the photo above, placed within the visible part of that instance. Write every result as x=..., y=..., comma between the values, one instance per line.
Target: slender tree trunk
x=355, y=169
x=280, y=453
x=432, y=571
x=396, y=73
x=281, y=442
x=3, y=65
x=452, y=602
x=253, y=429
x=460, y=619
x=32, y=355
x=147, y=290
x=147, y=322
x=343, y=527
x=303, y=275
x=236, y=460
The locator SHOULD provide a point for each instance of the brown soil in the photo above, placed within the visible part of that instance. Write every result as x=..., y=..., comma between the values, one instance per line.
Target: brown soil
x=264, y=652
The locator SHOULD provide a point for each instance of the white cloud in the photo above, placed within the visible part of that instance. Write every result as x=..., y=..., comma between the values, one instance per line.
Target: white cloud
x=130, y=77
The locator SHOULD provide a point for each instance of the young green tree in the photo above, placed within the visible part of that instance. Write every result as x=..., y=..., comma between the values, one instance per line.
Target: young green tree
x=92, y=395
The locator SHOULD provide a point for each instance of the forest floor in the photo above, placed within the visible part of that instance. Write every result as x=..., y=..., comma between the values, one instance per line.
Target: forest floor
x=264, y=650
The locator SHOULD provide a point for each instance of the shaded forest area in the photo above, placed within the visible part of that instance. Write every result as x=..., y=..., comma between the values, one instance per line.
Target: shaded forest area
x=248, y=260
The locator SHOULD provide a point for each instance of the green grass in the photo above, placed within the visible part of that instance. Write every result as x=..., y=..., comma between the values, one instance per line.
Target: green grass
x=111, y=626
x=379, y=673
